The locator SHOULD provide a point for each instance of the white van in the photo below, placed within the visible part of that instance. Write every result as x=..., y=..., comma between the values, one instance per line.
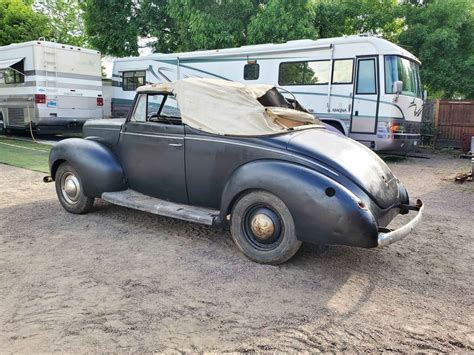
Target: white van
x=54, y=86
x=366, y=87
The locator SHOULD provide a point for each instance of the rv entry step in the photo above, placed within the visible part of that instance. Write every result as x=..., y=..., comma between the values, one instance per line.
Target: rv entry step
x=136, y=200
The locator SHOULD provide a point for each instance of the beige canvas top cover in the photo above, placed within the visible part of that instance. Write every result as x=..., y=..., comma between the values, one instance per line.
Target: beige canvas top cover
x=230, y=108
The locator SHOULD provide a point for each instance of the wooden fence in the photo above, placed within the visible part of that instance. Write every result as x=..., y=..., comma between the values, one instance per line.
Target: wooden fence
x=454, y=121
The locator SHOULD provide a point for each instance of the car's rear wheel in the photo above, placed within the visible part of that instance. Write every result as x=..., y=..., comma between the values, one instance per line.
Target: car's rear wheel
x=70, y=190
x=263, y=229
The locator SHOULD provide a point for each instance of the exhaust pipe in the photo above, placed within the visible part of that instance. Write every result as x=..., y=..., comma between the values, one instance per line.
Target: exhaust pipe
x=47, y=179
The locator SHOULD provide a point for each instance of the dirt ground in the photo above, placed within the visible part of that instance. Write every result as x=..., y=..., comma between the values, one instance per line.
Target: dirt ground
x=123, y=280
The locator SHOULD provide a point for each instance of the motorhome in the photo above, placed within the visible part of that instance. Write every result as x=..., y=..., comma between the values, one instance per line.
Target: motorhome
x=51, y=86
x=366, y=87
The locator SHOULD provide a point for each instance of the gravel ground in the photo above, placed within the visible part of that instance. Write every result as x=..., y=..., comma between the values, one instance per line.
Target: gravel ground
x=123, y=280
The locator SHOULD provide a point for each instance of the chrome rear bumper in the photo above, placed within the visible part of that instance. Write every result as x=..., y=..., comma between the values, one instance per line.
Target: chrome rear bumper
x=388, y=236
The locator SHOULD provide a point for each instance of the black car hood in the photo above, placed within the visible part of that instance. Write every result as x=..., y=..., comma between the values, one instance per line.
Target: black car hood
x=350, y=158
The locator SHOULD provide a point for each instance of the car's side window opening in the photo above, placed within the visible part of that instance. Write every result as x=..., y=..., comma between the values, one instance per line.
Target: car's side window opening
x=139, y=113
x=163, y=108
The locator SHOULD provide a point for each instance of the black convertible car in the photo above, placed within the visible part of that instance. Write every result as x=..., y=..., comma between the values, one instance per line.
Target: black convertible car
x=245, y=157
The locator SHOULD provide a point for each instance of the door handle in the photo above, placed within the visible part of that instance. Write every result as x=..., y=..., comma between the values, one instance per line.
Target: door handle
x=175, y=144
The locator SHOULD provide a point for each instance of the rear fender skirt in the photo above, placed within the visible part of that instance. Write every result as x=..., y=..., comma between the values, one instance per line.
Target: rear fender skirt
x=98, y=167
x=324, y=211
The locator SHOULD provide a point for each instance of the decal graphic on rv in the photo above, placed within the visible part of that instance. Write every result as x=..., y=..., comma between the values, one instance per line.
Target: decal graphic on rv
x=366, y=87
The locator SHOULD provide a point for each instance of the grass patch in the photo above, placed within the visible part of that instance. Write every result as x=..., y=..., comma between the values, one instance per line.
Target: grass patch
x=24, y=154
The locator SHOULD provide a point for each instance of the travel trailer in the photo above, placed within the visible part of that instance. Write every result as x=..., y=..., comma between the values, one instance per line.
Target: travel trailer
x=366, y=87
x=54, y=87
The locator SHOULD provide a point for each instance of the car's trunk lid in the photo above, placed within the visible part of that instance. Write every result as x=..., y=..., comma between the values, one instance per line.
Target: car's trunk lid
x=350, y=158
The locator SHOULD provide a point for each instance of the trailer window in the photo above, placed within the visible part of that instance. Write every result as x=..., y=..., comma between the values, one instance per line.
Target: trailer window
x=251, y=71
x=366, y=77
x=15, y=74
x=342, y=71
x=131, y=80
x=304, y=73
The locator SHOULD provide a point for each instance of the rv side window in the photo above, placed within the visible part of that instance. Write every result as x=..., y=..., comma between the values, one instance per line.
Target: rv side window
x=366, y=77
x=15, y=74
x=304, y=73
x=251, y=71
x=342, y=71
x=131, y=80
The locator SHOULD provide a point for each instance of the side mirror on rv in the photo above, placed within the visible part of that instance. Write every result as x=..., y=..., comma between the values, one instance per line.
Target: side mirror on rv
x=397, y=87
x=425, y=95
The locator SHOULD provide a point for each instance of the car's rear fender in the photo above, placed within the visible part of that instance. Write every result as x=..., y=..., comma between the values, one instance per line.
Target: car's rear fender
x=320, y=216
x=97, y=166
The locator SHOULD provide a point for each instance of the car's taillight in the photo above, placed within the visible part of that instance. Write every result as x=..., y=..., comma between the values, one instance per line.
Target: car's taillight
x=40, y=98
x=100, y=101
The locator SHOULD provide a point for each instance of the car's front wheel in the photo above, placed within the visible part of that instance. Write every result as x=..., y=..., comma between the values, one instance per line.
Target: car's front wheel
x=70, y=190
x=263, y=229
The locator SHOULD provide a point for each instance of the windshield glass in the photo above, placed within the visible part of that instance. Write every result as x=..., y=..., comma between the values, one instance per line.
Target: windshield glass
x=402, y=69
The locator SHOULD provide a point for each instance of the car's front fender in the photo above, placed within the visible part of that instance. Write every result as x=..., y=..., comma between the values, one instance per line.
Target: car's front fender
x=324, y=211
x=97, y=166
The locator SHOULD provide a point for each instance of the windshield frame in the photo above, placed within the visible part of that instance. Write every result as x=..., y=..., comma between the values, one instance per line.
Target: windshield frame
x=418, y=86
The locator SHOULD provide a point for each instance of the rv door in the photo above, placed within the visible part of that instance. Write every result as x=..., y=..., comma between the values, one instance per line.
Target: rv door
x=365, y=107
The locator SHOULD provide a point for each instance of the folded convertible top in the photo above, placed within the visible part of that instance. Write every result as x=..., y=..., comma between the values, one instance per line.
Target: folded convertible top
x=230, y=108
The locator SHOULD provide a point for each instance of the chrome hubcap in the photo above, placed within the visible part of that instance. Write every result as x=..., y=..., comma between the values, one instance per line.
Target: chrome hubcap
x=70, y=188
x=262, y=226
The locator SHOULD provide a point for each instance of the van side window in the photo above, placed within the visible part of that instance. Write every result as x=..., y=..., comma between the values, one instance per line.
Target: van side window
x=14, y=75
x=342, y=71
x=132, y=79
x=366, y=76
x=304, y=73
x=251, y=71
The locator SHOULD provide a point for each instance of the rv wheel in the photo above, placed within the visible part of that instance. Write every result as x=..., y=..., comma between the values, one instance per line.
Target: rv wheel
x=70, y=190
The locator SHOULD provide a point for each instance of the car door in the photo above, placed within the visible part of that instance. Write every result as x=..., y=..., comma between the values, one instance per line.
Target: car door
x=151, y=149
x=365, y=107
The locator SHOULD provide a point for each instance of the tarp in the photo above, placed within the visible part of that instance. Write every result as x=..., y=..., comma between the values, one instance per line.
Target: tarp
x=5, y=64
x=230, y=108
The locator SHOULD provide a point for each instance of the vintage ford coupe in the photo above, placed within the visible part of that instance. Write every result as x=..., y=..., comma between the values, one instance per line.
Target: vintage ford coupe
x=239, y=156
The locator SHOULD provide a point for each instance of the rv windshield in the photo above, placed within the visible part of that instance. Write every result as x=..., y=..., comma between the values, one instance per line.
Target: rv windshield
x=405, y=70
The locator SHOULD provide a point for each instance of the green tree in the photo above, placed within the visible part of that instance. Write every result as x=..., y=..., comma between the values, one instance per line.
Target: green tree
x=65, y=21
x=112, y=26
x=282, y=20
x=19, y=23
x=206, y=24
x=347, y=17
x=154, y=21
x=441, y=34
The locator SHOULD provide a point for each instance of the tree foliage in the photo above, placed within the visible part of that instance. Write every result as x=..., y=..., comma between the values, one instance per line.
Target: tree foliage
x=154, y=21
x=204, y=24
x=280, y=21
x=346, y=17
x=65, y=21
x=112, y=26
x=441, y=34
x=19, y=23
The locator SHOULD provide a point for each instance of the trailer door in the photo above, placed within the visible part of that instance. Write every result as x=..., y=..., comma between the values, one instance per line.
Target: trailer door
x=365, y=98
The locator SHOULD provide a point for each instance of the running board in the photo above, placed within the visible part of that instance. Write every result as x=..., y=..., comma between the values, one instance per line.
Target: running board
x=138, y=201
